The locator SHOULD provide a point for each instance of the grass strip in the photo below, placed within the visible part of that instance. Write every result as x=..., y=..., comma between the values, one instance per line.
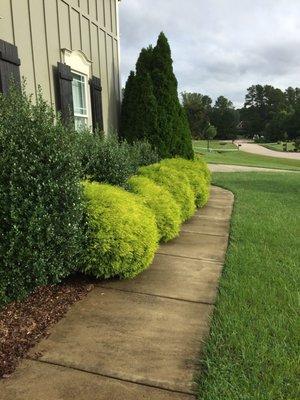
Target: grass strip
x=253, y=349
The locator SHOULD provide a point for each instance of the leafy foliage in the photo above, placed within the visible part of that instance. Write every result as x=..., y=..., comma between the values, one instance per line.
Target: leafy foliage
x=41, y=202
x=224, y=117
x=123, y=234
x=198, y=109
x=139, y=109
x=108, y=160
x=270, y=112
x=177, y=183
x=161, y=203
x=196, y=176
x=151, y=107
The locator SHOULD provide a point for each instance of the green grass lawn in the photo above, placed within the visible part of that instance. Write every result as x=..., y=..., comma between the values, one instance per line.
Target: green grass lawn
x=200, y=145
x=254, y=160
x=279, y=147
x=253, y=349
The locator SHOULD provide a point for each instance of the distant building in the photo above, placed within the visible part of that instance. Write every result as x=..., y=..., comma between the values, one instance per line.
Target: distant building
x=68, y=47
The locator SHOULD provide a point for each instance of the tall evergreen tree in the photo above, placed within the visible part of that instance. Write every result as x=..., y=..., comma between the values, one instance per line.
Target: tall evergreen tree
x=151, y=108
x=139, y=107
x=128, y=108
x=175, y=135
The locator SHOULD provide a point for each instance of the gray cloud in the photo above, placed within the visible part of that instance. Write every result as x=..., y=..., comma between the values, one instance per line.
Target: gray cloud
x=218, y=46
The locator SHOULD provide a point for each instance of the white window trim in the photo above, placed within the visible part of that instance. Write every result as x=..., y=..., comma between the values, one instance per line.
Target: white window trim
x=81, y=65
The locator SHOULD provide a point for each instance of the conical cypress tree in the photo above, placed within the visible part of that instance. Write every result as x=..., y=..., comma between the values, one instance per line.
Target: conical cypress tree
x=151, y=107
x=128, y=108
x=146, y=126
x=175, y=136
x=139, y=108
x=144, y=62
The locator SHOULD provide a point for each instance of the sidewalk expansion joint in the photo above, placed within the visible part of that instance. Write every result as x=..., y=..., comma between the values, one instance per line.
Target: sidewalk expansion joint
x=212, y=260
x=201, y=216
x=190, y=393
x=208, y=303
x=204, y=233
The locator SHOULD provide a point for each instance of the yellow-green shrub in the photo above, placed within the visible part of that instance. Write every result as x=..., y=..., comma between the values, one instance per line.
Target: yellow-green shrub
x=196, y=177
x=123, y=235
x=176, y=182
x=161, y=203
x=201, y=166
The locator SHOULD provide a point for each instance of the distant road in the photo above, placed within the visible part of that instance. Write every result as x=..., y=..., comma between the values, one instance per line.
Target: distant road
x=263, y=151
x=243, y=168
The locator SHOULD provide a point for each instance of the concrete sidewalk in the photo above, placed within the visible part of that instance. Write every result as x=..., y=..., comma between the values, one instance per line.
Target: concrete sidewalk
x=136, y=339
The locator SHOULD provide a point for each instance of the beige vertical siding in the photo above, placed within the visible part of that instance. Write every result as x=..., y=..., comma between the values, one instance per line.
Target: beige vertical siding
x=41, y=28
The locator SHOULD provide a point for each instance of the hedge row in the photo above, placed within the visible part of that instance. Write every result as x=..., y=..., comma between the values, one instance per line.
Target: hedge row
x=125, y=227
x=43, y=224
x=52, y=226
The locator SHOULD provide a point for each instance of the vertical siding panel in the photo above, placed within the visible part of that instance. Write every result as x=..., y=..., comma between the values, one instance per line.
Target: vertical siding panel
x=23, y=41
x=6, y=22
x=107, y=15
x=117, y=71
x=101, y=12
x=84, y=5
x=86, y=44
x=74, y=2
x=39, y=47
x=111, y=83
x=52, y=33
x=104, y=81
x=93, y=9
x=95, y=50
x=113, y=16
x=64, y=25
x=75, y=30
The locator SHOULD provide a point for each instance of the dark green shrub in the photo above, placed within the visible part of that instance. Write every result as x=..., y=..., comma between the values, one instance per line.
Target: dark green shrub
x=142, y=153
x=123, y=234
x=108, y=160
x=161, y=203
x=177, y=184
x=195, y=176
x=41, y=200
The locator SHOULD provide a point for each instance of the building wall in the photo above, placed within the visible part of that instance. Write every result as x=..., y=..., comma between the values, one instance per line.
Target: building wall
x=41, y=28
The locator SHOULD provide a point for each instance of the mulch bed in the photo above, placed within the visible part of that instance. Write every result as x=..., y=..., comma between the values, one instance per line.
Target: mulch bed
x=24, y=323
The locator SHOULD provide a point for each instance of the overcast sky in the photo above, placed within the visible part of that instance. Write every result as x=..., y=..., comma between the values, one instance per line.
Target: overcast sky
x=218, y=46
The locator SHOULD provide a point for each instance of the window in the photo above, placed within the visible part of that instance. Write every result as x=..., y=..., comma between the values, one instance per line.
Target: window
x=81, y=72
x=79, y=90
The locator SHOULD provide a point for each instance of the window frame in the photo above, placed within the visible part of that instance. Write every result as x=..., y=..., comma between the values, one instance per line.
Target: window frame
x=81, y=65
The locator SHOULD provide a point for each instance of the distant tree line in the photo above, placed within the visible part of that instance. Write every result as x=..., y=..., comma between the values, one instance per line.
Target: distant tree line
x=202, y=114
x=271, y=112
x=268, y=112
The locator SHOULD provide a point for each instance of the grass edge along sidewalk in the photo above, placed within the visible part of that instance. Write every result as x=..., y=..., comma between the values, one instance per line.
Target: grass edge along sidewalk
x=252, y=350
x=249, y=159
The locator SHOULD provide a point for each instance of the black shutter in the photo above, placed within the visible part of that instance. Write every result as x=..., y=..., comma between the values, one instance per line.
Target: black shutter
x=9, y=66
x=96, y=103
x=65, y=96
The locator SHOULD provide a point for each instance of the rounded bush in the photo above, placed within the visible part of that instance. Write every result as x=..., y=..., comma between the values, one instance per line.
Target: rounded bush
x=201, y=166
x=177, y=183
x=195, y=176
x=161, y=203
x=122, y=232
x=41, y=199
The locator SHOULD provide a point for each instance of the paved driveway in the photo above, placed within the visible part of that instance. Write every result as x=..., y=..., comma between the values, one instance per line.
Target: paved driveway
x=257, y=149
